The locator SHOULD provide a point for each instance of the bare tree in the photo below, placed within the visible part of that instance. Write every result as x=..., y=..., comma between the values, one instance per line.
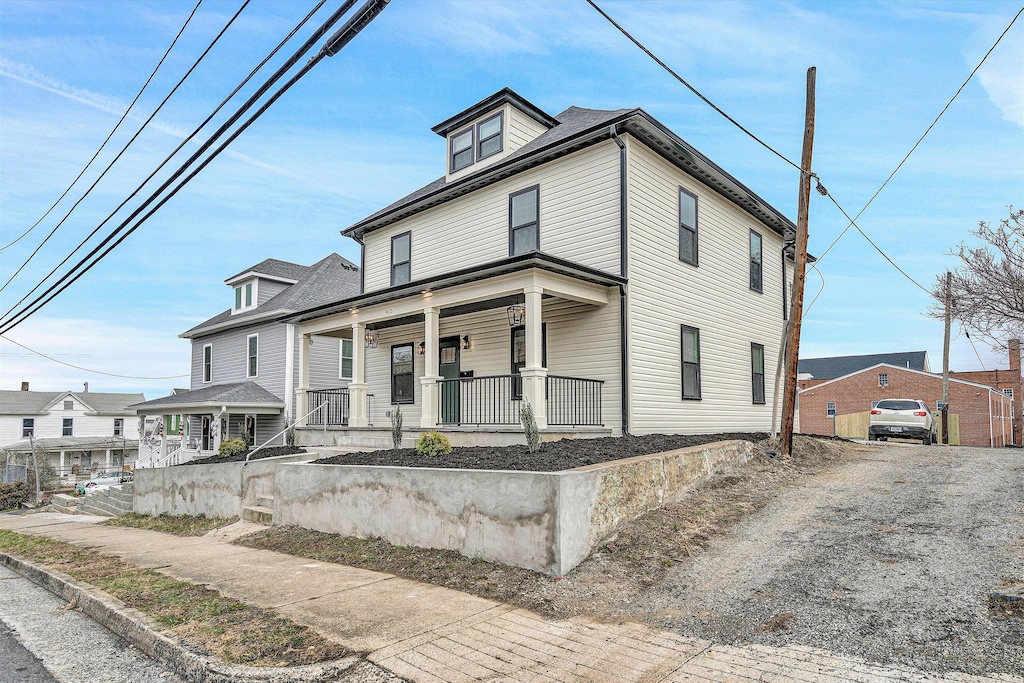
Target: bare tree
x=988, y=285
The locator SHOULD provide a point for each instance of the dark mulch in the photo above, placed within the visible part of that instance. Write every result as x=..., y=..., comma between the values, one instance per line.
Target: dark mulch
x=553, y=456
x=269, y=452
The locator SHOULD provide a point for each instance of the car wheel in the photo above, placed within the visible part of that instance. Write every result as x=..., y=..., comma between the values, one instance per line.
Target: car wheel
x=926, y=440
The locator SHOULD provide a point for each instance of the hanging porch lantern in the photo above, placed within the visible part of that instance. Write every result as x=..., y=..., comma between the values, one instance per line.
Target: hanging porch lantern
x=371, y=338
x=516, y=314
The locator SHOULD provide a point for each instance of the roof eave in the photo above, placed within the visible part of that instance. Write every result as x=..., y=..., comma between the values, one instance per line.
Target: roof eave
x=269, y=316
x=491, y=101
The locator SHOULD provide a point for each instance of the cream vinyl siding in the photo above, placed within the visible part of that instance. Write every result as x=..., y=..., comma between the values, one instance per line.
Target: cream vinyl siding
x=522, y=129
x=579, y=221
x=715, y=297
x=323, y=363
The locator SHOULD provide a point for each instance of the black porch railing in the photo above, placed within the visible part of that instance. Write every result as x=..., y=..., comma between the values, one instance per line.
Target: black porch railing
x=335, y=410
x=574, y=401
x=493, y=400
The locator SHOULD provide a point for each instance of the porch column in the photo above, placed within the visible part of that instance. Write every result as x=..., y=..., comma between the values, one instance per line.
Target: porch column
x=534, y=374
x=430, y=378
x=163, y=439
x=62, y=463
x=357, y=387
x=301, y=397
x=108, y=459
x=215, y=428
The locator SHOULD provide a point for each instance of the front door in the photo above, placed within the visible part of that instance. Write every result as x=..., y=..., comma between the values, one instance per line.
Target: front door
x=448, y=368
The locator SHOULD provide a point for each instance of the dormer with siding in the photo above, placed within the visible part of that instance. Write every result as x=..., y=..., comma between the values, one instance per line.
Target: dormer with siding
x=259, y=284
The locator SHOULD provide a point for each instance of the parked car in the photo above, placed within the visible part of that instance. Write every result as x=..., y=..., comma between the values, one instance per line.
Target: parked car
x=902, y=418
x=102, y=481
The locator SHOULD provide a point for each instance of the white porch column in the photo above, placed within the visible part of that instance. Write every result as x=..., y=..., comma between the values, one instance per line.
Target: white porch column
x=534, y=374
x=430, y=378
x=215, y=428
x=62, y=463
x=108, y=459
x=357, y=387
x=163, y=438
x=301, y=398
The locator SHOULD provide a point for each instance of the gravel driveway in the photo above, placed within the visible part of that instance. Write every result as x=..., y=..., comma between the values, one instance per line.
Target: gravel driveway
x=890, y=557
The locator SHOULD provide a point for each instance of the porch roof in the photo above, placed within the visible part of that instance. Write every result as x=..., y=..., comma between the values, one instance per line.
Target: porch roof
x=515, y=264
x=238, y=397
x=73, y=443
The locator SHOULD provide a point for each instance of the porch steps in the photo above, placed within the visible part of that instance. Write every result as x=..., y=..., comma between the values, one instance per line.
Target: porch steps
x=111, y=502
x=62, y=502
x=262, y=512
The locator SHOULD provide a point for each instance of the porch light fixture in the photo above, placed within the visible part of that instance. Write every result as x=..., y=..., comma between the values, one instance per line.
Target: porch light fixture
x=371, y=338
x=423, y=348
x=465, y=341
x=516, y=314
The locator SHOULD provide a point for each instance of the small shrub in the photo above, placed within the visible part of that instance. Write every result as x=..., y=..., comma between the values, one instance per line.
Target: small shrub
x=289, y=434
x=396, y=427
x=13, y=495
x=530, y=427
x=231, y=447
x=433, y=443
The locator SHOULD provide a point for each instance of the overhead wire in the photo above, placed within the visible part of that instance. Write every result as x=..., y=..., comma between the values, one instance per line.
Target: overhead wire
x=170, y=156
x=79, y=367
x=966, y=332
x=112, y=131
x=145, y=123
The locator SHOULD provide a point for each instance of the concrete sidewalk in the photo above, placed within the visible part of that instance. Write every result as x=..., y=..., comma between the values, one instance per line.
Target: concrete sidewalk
x=429, y=634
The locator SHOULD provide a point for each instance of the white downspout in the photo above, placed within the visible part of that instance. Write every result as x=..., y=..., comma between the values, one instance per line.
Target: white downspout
x=991, y=437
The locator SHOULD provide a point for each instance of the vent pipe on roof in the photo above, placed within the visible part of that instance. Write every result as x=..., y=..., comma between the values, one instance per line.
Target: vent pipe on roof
x=24, y=386
x=85, y=390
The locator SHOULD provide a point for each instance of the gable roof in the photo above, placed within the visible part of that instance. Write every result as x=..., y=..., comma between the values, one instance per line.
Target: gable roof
x=26, y=402
x=38, y=402
x=579, y=128
x=879, y=366
x=333, y=278
x=274, y=268
x=838, y=366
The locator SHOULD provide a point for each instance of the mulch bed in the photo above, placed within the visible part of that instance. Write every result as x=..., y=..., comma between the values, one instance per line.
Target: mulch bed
x=553, y=456
x=269, y=452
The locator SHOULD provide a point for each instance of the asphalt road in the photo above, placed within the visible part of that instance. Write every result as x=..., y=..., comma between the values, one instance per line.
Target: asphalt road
x=17, y=664
x=890, y=557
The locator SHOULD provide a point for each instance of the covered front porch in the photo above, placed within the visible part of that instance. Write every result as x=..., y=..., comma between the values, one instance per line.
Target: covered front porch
x=464, y=356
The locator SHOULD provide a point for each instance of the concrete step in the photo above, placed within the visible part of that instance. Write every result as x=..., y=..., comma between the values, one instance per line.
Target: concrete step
x=87, y=509
x=265, y=501
x=121, y=496
x=258, y=514
x=62, y=502
x=93, y=504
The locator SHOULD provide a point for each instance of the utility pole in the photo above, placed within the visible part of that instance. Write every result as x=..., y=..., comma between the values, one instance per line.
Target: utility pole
x=35, y=462
x=799, y=273
x=947, y=305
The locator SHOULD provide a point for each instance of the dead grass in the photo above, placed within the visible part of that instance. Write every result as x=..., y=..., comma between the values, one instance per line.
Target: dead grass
x=179, y=525
x=228, y=629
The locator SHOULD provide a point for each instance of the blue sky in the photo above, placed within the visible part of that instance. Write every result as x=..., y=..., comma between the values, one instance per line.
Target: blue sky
x=355, y=134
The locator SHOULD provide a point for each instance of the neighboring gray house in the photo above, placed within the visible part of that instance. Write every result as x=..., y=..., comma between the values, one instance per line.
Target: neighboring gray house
x=244, y=360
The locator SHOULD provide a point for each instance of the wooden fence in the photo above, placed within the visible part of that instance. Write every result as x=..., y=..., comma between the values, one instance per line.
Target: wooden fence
x=855, y=426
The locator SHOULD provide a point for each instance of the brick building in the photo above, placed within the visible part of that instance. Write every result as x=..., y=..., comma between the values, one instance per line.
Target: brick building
x=814, y=371
x=984, y=413
x=1007, y=381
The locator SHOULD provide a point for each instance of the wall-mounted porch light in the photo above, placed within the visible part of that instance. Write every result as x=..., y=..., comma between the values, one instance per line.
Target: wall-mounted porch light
x=371, y=338
x=423, y=348
x=516, y=314
x=465, y=341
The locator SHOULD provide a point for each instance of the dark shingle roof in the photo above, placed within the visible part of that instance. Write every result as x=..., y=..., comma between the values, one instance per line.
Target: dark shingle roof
x=275, y=268
x=60, y=443
x=234, y=392
x=34, y=402
x=840, y=366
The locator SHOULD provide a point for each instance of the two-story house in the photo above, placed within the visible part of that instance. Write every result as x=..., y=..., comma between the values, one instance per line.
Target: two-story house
x=71, y=430
x=590, y=263
x=244, y=360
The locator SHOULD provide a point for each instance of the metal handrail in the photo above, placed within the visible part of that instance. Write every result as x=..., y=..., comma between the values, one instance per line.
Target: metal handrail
x=249, y=454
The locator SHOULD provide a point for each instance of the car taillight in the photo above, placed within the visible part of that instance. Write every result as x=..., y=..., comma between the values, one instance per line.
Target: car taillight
x=876, y=412
x=920, y=413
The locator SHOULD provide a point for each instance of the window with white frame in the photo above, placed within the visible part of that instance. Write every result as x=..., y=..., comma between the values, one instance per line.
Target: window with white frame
x=938, y=405
x=687, y=226
x=1008, y=393
x=244, y=296
x=883, y=379
x=252, y=343
x=118, y=426
x=67, y=427
x=830, y=409
x=524, y=221
x=345, y=359
x=208, y=362
x=28, y=427
x=401, y=258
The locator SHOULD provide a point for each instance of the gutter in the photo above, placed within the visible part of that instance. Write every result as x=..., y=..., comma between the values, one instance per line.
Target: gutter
x=362, y=263
x=623, y=272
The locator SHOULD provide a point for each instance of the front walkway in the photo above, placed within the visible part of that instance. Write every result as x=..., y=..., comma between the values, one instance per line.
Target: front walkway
x=430, y=634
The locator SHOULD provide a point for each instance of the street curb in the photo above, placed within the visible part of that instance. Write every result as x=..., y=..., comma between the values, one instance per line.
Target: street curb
x=138, y=630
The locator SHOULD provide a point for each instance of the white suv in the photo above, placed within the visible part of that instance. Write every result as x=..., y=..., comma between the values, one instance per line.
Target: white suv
x=902, y=418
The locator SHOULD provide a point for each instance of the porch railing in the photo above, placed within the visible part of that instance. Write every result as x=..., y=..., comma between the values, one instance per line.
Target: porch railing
x=573, y=401
x=492, y=400
x=335, y=410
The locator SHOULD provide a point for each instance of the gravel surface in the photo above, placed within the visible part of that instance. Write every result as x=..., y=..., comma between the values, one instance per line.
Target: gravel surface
x=553, y=456
x=73, y=647
x=890, y=557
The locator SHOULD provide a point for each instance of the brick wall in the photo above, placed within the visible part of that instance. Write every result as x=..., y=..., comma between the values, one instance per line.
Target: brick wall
x=855, y=393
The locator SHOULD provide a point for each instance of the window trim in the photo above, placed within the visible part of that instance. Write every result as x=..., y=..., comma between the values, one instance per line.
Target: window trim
x=760, y=288
x=512, y=229
x=478, y=141
x=883, y=382
x=1008, y=393
x=207, y=364
x=67, y=426
x=118, y=426
x=683, y=329
x=28, y=427
x=249, y=357
x=754, y=374
x=472, y=149
x=342, y=357
x=407, y=233
x=412, y=373
x=830, y=409
x=695, y=229
x=238, y=297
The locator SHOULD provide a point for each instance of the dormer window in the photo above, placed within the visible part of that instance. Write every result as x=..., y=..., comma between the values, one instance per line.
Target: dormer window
x=244, y=297
x=489, y=137
x=462, y=150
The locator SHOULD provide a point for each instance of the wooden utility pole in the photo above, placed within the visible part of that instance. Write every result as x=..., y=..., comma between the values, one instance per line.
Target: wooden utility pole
x=799, y=273
x=945, y=358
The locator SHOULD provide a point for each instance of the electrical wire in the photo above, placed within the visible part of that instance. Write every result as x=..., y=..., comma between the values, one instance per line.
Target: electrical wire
x=79, y=367
x=111, y=134
x=170, y=156
x=145, y=123
x=692, y=89
x=973, y=346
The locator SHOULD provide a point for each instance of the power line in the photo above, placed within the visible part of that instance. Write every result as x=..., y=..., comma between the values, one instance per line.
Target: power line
x=334, y=44
x=692, y=89
x=114, y=161
x=973, y=346
x=114, y=130
x=79, y=367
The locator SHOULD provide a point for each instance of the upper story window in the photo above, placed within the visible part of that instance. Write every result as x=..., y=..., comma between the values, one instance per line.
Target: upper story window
x=691, y=361
x=461, y=150
x=883, y=379
x=208, y=362
x=69, y=405
x=755, y=261
x=118, y=426
x=524, y=221
x=401, y=252
x=1008, y=392
x=687, y=226
x=68, y=427
x=244, y=297
x=345, y=362
x=252, y=366
x=28, y=427
x=488, y=135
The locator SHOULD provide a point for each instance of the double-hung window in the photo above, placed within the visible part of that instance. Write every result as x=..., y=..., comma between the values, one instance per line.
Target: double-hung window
x=345, y=359
x=488, y=135
x=28, y=427
x=207, y=362
x=243, y=296
x=830, y=409
x=757, y=372
x=401, y=258
x=118, y=426
x=67, y=427
x=401, y=374
x=690, y=362
x=755, y=262
x=524, y=221
x=883, y=379
x=687, y=226
x=461, y=150
x=252, y=366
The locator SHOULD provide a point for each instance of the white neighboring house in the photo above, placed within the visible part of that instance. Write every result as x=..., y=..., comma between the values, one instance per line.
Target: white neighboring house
x=76, y=432
x=591, y=263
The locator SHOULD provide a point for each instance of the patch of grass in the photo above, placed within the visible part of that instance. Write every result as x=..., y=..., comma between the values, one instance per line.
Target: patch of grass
x=229, y=629
x=179, y=525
